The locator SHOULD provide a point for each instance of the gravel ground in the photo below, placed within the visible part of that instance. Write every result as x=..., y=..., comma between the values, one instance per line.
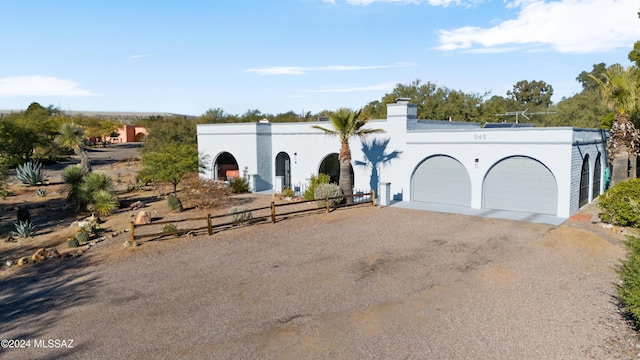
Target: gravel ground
x=352, y=284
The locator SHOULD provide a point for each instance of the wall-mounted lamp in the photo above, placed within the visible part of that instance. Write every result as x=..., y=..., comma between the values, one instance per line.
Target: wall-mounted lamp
x=295, y=158
x=477, y=161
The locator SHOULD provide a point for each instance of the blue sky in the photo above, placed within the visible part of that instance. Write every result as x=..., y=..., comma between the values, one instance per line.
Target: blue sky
x=188, y=56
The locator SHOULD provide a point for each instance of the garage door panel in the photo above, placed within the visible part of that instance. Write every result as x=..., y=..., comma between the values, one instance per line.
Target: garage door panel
x=442, y=180
x=521, y=184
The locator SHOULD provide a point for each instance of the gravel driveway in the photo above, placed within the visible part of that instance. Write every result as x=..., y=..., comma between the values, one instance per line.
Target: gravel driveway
x=360, y=283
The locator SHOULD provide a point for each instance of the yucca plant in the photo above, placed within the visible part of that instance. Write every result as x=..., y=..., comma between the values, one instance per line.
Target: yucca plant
x=74, y=191
x=31, y=173
x=23, y=229
x=41, y=192
x=104, y=202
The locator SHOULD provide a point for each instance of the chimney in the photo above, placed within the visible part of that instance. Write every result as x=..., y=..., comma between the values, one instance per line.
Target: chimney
x=403, y=111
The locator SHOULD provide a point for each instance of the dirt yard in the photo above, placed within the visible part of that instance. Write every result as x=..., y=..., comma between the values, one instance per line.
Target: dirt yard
x=354, y=283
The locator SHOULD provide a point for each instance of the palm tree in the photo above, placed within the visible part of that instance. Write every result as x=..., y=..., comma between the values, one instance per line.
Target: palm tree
x=346, y=124
x=619, y=91
x=72, y=137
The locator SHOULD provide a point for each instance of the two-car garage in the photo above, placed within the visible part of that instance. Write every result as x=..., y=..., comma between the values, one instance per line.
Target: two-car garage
x=516, y=183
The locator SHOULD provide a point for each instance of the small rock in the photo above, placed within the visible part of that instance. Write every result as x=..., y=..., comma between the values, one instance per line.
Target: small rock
x=39, y=255
x=23, y=261
x=126, y=230
x=9, y=262
x=143, y=218
x=53, y=253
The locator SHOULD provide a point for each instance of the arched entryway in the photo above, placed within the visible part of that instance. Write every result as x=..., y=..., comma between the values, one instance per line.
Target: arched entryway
x=597, y=175
x=225, y=167
x=441, y=179
x=283, y=169
x=330, y=165
x=520, y=183
x=584, y=182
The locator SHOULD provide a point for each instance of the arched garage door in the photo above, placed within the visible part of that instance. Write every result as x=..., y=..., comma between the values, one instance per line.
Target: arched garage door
x=521, y=184
x=443, y=180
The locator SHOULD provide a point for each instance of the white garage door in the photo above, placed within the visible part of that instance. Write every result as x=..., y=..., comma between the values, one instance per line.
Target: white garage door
x=521, y=184
x=443, y=180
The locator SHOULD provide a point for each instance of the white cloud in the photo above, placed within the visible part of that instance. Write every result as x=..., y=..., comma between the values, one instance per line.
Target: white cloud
x=296, y=70
x=567, y=26
x=378, y=87
x=37, y=85
x=138, y=56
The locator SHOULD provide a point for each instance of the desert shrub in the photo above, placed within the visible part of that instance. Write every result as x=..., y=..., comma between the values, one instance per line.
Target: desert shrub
x=620, y=204
x=104, y=202
x=41, y=192
x=203, y=193
x=31, y=173
x=23, y=229
x=83, y=237
x=239, y=185
x=5, y=192
x=310, y=192
x=92, y=229
x=170, y=228
x=629, y=272
x=240, y=214
x=174, y=204
x=328, y=191
x=288, y=192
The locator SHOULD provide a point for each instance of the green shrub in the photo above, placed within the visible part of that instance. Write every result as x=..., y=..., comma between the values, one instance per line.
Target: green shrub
x=92, y=229
x=175, y=205
x=170, y=228
x=23, y=229
x=629, y=271
x=72, y=243
x=310, y=192
x=5, y=192
x=620, y=204
x=328, y=191
x=104, y=202
x=31, y=173
x=82, y=237
x=240, y=214
x=239, y=185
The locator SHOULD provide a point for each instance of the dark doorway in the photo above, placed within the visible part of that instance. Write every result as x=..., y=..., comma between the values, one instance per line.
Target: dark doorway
x=225, y=167
x=584, y=182
x=330, y=165
x=597, y=175
x=283, y=168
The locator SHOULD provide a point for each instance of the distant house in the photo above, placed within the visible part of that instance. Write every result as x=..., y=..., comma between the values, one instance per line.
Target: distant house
x=129, y=133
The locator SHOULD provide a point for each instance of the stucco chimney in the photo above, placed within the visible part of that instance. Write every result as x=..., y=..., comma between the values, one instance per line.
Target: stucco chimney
x=403, y=111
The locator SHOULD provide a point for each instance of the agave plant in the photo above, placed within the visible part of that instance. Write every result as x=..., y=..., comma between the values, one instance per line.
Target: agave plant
x=23, y=229
x=31, y=173
x=41, y=192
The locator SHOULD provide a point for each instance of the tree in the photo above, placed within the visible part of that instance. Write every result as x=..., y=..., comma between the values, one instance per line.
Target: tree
x=169, y=164
x=347, y=124
x=71, y=136
x=586, y=78
x=535, y=93
x=619, y=92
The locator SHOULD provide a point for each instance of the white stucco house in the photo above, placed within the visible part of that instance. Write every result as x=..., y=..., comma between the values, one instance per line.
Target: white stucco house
x=551, y=171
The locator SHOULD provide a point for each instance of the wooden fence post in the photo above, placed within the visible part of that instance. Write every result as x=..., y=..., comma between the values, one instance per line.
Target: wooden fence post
x=326, y=202
x=373, y=198
x=273, y=212
x=209, y=227
x=132, y=226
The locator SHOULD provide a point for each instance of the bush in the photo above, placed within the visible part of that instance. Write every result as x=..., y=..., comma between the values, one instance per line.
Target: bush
x=175, y=205
x=328, y=191
x=288, y=192
x=310, y=192
x=629, y=271
x=203, y=193
x=170, y=228
x=620, y=204
x=239, y=185
x=240, y=214
x=31, y=173
x=104, y=202
x=23, y=229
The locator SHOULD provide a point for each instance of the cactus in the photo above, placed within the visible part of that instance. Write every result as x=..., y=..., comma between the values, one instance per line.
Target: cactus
x=72, y=242
x=23, y=229
x=41, y=192
x=31, y=173
x=82, y=237
x=175, y=205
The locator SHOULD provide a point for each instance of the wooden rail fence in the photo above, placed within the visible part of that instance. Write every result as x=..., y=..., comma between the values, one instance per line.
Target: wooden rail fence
x=209, y=226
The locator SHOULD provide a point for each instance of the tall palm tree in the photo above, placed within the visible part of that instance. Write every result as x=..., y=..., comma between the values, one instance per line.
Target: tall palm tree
x=346, y=124
x=620, y=93
x=72, y=137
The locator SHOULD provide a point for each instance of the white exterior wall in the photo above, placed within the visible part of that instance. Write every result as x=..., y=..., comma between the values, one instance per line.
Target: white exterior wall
x=256, y=146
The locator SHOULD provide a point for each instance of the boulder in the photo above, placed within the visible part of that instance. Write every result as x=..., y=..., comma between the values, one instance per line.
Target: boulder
x=39, y=255
x=143, y=218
